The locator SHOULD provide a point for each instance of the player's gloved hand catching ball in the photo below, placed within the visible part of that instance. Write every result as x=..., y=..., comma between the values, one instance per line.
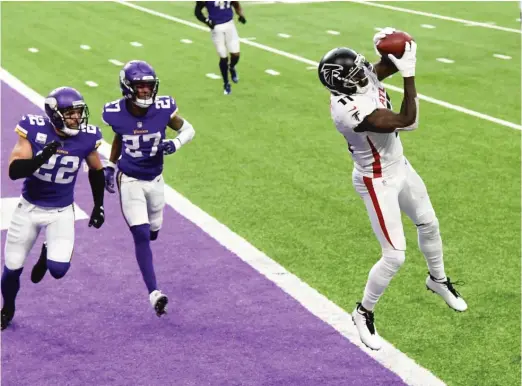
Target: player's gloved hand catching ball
x=406, y=64
x=381, y=35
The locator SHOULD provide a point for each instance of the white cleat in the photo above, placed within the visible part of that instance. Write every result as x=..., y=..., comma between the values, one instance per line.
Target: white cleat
x=159, y=302
x=364, y=321
x=447, y=292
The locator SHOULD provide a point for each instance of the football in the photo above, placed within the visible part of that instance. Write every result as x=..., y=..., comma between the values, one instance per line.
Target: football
x=393, y=44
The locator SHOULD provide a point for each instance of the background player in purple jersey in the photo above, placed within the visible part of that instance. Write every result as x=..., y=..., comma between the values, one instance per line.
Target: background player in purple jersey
x=224, y=34
x=139, y=121
x=48, y=155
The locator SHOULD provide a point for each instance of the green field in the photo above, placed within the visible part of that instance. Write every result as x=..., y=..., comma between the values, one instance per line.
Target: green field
x=268, y=162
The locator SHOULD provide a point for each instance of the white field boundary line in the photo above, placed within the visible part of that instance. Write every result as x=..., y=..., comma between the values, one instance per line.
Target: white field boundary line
x=320, y=306
x=436, y=16
x=399, y=9
x=313, y=63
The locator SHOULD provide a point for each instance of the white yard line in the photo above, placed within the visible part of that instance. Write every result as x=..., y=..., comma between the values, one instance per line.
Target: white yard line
x=488, y=24
x=308, y=297
x=314, y=63
x=436, y=16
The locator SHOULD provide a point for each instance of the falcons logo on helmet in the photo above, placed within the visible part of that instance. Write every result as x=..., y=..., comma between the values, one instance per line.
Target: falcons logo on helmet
x=330, y=72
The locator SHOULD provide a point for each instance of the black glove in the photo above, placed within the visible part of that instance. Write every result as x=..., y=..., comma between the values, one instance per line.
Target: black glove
x=209, y=23
x=97, y=217
x=241, y=19
x=48, y=151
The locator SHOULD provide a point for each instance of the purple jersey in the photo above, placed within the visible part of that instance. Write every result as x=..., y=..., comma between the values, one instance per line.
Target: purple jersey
x=52, y=185
x=140, y=135
x=219, y=11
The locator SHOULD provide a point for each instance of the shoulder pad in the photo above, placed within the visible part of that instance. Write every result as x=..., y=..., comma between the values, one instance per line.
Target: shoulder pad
x=32, y=127
x=110, y=111
x=167, y=104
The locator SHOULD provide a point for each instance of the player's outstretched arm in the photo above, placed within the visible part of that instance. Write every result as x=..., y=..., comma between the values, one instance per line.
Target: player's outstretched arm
x=22, y=163
x=185, y=131
x=239, y=11
x=386, y=121
x=97, y=181
x=385, y=67
x=111, y=165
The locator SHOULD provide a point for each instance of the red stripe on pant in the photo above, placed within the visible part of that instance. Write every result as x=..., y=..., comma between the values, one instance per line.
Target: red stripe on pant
x=369, y=185
x=376, y=165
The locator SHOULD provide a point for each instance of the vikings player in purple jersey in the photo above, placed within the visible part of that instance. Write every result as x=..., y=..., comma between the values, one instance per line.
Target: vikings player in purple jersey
x=224, y=34
x=48, y=156
x=139, y=121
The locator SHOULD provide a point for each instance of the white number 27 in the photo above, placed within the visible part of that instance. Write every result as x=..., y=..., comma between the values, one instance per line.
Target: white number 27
x=132, y=144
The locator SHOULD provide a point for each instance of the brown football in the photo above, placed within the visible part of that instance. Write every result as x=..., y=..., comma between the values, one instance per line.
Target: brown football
x=393, y=44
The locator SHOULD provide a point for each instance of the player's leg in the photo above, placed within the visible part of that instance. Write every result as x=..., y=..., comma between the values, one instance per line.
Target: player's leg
x=40, y=268
x=415, y=202
x=218, y=37
x=134, y=208
x=21, y=235
x=59, y=236
x=232, y=41
x=155, y=196
x=381, y=201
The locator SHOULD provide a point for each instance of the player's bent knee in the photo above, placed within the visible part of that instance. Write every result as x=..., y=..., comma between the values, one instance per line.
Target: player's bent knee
x=57, y=269
x=14, y=260
x=430, y=228
x=222, y=52
x=394, y=258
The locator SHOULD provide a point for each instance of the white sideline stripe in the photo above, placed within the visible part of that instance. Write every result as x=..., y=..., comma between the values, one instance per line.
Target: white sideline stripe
x=470, y=23
x=436, y=16
x=308, y=297
x=313, y=63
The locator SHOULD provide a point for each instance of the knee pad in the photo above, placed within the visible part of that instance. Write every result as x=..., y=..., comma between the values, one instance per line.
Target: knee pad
x=429, y=229
x=393, y=258
x=141, y=233
x=57, y=269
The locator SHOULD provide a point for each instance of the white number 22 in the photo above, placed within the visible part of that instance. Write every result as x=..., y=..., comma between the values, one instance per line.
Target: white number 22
x=70, y=165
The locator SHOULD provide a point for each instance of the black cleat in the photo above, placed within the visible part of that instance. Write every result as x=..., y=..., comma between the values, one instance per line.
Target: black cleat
x=227, y=89
x=161, y=306
x=7, y=316
x=40, y=268
x=233, y=75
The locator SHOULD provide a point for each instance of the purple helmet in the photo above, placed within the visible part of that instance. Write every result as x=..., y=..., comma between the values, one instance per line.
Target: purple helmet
x=62, y=100
x=138, y=73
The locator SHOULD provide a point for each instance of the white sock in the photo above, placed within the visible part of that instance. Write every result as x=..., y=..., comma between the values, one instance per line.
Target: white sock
x=380, y=277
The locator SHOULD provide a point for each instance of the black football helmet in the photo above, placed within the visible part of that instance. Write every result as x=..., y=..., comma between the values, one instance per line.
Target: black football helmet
x=342, y=71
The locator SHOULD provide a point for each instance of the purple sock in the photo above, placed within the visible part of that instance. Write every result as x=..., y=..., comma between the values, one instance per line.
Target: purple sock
x=141, y=234
x=223, y=66
x=10, y=286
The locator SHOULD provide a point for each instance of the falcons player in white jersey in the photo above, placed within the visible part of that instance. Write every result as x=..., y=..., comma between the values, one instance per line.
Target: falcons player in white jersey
x=383, y=177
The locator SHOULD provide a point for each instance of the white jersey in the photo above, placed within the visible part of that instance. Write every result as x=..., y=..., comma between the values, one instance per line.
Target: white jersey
x=373, y=153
